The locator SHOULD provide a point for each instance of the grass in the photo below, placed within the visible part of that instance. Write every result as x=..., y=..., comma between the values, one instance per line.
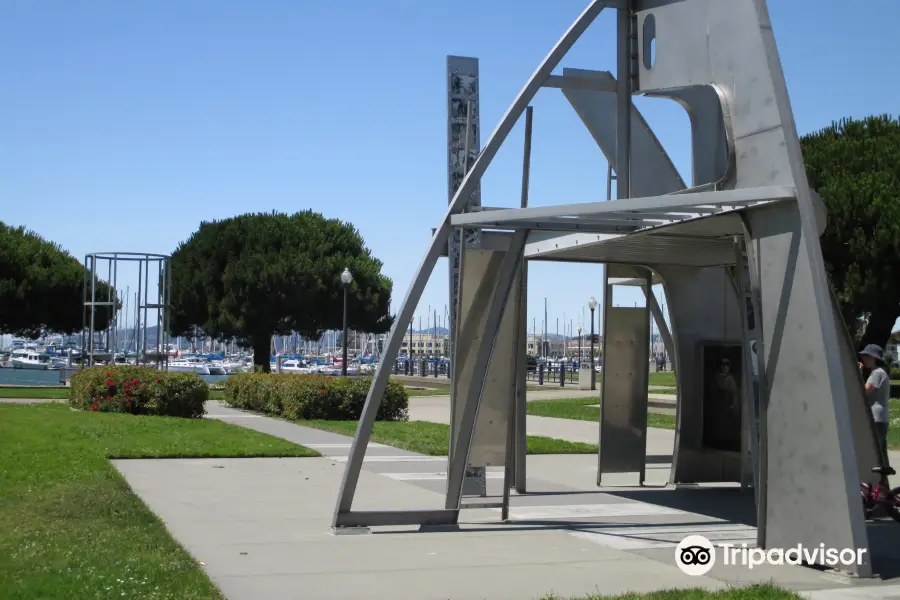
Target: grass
x=753, y=592
x=441, y=391
x=664, y=378
x=70, y=527
x=34, y=392
x=580, y=409
x=434, y=438
x=57, y=393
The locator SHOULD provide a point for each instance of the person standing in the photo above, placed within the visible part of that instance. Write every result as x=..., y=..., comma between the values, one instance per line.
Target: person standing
x=878, y=392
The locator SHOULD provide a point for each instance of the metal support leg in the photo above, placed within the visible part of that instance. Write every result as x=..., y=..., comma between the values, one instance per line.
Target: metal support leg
x=762, y=459
x=460, y=457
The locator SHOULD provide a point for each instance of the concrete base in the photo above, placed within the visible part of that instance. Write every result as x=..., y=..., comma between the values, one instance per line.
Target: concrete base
x=584, y=378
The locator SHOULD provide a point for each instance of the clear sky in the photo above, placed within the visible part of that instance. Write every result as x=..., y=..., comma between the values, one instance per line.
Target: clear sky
x=123, y=125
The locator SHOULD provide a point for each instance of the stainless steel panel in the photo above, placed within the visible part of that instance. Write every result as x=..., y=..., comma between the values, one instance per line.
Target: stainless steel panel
x=809, y=421
x=652, y=171
x=623, y=403
x=703, y=307
x=480, y=269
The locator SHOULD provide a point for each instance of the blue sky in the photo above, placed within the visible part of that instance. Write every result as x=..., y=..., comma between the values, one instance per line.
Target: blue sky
x=125, y=124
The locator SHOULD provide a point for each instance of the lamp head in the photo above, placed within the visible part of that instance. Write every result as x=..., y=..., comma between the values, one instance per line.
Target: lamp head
x=346, y=277
x=592, y=303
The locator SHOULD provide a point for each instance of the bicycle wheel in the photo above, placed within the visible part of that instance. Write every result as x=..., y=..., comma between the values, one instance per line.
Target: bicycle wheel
x=892, y=504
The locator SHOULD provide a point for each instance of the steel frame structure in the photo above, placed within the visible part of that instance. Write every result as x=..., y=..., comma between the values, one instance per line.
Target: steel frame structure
x=719, y=60
x=144, y=304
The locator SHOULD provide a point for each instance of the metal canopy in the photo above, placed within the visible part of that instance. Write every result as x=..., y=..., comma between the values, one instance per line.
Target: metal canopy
x=606, y=215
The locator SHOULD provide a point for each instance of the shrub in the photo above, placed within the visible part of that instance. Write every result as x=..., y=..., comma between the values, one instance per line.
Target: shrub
x=295, y=396
x=139, y=391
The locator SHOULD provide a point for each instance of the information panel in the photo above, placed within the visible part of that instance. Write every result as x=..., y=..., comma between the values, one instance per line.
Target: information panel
x=722, y=393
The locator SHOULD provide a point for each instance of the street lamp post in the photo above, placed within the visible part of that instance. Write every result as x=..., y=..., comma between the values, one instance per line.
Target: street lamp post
x=592, y=304
x=346, y=280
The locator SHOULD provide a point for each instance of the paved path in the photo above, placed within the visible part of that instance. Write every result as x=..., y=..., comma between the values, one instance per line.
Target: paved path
x=261, y=526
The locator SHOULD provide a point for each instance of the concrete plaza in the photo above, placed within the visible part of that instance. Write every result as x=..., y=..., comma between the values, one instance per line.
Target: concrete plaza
x=261, y=527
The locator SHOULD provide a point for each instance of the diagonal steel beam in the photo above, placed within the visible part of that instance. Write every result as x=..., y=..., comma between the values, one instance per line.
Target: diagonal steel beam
x=439, y=242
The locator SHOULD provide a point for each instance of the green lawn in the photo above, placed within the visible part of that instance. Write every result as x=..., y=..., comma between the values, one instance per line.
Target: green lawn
x=70, y=527
x=581, y=410
x=666, y=378
x=753, y=592
x=434, y=438
x=34, y=392
x=55, y=393
x=441, y=391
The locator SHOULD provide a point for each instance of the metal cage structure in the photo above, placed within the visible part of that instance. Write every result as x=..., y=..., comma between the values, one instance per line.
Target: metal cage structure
x=137, y=314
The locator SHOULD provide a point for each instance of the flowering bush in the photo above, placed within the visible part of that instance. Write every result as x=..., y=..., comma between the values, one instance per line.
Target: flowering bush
x=139, y=391
x=295, y=396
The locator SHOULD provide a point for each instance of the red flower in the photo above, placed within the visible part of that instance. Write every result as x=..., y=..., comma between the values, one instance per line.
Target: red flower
x=110, y=382
x=158, y=380
x=93, y=407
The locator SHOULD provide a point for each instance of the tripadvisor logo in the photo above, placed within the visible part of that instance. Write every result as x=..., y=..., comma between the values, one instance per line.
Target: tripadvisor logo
x=695, y=555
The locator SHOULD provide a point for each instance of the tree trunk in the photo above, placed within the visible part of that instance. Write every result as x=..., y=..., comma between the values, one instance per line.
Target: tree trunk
x=262, y=350
x=878, y=329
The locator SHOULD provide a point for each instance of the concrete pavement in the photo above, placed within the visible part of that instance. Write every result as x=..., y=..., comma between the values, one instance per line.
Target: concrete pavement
x=261, y=526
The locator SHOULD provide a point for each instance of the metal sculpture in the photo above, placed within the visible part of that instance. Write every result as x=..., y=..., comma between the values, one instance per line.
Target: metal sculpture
x=756, y=338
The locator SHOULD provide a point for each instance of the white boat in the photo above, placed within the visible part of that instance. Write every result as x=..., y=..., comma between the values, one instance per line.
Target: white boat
x=217, y=367
x=232, y=366
x=298, y=366
x=28, y=359
x=189, y=365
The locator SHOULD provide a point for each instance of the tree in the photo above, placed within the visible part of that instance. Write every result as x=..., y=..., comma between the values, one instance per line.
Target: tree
x=42, y=286
x=855, y=167
x=256, y=275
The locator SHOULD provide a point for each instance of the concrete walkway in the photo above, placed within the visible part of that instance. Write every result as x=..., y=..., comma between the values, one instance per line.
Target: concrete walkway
x=261, y=529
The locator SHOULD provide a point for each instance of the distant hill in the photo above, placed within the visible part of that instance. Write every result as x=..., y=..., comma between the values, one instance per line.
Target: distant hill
x=433, y=331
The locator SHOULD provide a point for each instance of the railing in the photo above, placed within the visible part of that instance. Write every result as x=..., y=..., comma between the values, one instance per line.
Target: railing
x=422, y=368
x=561, y=374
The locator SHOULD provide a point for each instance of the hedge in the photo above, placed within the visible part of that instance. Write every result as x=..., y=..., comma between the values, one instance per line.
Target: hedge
x=139, y=391
x=295, y=396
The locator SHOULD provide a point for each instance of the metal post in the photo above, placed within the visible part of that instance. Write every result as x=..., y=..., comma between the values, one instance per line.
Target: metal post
x=93, y=304
x=344, y=353
x=580, y=353
x=146, y=301
x=623, y=97
x=84, y=314
x=114, y=309
x=593, y=379
x=109, y=292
